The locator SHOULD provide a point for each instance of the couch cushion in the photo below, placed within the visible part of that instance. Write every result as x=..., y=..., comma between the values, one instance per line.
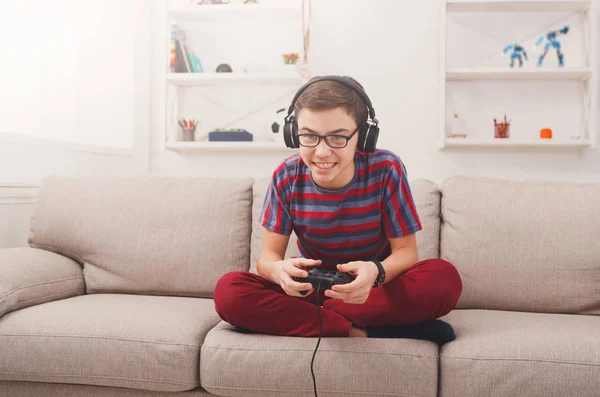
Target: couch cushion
x=427, y=200
x=236, y=364
x=500, y=353
x=30, y=276
x=523, y=245
x=150, y=235
x=132, y=341
x=36, y=389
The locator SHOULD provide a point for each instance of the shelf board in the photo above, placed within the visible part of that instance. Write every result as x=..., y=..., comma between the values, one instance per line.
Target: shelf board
x=238, y=12
x=234, y=79
x=517, y=5
x=199, y=146
x=510, y=142
x=469, y=74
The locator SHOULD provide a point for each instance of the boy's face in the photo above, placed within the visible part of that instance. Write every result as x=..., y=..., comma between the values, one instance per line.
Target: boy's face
x=331, y=168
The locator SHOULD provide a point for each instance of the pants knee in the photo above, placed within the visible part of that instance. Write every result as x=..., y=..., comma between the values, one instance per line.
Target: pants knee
x=449, y=281
x=227, y=292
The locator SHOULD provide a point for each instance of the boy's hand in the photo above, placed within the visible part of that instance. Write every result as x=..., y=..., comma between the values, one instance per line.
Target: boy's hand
x=293, y=267
x=357, y=291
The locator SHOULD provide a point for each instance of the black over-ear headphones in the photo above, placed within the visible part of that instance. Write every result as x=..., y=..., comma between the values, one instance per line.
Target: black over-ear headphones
x=367, y=132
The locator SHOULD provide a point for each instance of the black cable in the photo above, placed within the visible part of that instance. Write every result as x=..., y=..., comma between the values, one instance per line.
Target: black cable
x=318, y=342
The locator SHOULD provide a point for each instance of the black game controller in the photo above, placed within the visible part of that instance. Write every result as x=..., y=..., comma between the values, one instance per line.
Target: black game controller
x=327, y=278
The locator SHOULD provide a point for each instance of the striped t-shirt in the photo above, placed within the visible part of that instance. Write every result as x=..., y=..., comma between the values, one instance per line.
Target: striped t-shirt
x=350, y=224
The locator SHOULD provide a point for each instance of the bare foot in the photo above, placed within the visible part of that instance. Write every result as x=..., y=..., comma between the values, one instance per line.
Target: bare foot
x=356, y=332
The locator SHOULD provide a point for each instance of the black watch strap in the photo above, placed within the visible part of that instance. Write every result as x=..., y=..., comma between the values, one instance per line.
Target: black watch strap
x=381, y=277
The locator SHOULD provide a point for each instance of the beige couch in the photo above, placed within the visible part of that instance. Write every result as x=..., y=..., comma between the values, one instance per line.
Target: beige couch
x=113, y=296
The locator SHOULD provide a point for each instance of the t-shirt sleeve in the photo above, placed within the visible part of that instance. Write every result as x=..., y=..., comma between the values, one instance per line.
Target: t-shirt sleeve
x=275, y=215
x=400, y=216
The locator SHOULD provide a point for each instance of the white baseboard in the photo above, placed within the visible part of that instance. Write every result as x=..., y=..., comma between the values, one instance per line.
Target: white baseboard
x=11, y=194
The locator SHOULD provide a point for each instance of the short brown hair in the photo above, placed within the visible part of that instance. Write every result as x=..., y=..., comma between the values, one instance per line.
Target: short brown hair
x=329, y=94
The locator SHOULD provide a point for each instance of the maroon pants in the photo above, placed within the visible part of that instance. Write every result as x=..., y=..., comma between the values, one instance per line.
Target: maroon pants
x=426, y=291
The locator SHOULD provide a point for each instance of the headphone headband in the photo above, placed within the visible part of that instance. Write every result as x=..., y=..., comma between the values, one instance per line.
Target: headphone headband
x=338, y=79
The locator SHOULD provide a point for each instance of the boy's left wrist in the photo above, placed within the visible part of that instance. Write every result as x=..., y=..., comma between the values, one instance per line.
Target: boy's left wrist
x=380, y=279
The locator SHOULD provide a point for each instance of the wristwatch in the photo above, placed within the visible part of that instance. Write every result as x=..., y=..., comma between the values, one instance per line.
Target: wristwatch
x=381, y=277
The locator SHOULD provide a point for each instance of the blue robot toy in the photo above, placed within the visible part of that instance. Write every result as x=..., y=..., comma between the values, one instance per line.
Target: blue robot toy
x=551, y=41
x=517, y=50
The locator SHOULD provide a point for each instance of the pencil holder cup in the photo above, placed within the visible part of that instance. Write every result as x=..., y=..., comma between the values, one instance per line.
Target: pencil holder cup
x=501, y=130
x=186, y=133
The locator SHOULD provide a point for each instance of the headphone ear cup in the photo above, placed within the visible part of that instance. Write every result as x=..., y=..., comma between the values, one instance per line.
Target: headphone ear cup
x=368, y=141
x=290, y=133
x=362, y=134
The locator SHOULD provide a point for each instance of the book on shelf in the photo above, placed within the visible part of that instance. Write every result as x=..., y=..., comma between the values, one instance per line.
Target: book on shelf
x=181, y=58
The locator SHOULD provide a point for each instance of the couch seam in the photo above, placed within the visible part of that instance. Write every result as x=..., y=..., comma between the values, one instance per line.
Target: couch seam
x=52, y=296
x=59, y=251
x=67, y=293
x=144, y=292
x=103, y=338
x=320, y=350
x=40, y=283
x=96, y=376
x=204, y=386
x=521, y=359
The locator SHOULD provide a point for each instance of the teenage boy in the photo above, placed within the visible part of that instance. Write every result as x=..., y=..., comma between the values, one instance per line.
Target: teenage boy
x=351, y=208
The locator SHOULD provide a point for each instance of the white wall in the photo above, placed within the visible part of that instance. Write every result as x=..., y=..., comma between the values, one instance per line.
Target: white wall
x=61, y=126
x=85, y=69
x=391, y=47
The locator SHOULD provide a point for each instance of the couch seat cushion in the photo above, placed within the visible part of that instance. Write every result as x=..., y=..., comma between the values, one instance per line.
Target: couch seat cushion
x=236, y=364
x=131, y=341
x=498, y=353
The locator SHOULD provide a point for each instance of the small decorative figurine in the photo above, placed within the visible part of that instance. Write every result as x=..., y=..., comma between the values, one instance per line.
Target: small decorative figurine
x=551, y=41
x=224, y=68
x=290, y=58
x=459, y=128
x=516, y=54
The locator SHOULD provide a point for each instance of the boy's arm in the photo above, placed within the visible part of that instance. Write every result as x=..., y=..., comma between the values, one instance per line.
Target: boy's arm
x=272, y=250
x=404, y=255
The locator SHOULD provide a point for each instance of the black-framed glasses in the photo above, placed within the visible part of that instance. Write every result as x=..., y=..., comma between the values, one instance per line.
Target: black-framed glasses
x=333, y=141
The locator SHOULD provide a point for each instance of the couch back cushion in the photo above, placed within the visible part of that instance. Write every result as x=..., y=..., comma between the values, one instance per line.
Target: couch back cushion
x=427, y=200
x=523, y=245
x=147, y=235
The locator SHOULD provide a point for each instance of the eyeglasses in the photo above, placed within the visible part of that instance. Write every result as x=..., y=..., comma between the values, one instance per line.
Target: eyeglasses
x=333, y=141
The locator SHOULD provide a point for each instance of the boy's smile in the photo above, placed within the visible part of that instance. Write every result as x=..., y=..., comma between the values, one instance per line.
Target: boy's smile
x=331, y=168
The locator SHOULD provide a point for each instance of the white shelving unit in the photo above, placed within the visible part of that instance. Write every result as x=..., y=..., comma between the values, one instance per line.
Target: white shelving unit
x=585, y=77
x=258, y=13
x=275, y=147
x=511, y=142
x=471, y=74
x=232, y=79
x=254, y=18
x=517, y=5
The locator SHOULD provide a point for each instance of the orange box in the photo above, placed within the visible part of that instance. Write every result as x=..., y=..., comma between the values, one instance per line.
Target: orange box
x=546, y=133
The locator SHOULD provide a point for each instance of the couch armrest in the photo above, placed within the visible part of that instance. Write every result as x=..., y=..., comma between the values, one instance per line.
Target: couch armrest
x=30, y=276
